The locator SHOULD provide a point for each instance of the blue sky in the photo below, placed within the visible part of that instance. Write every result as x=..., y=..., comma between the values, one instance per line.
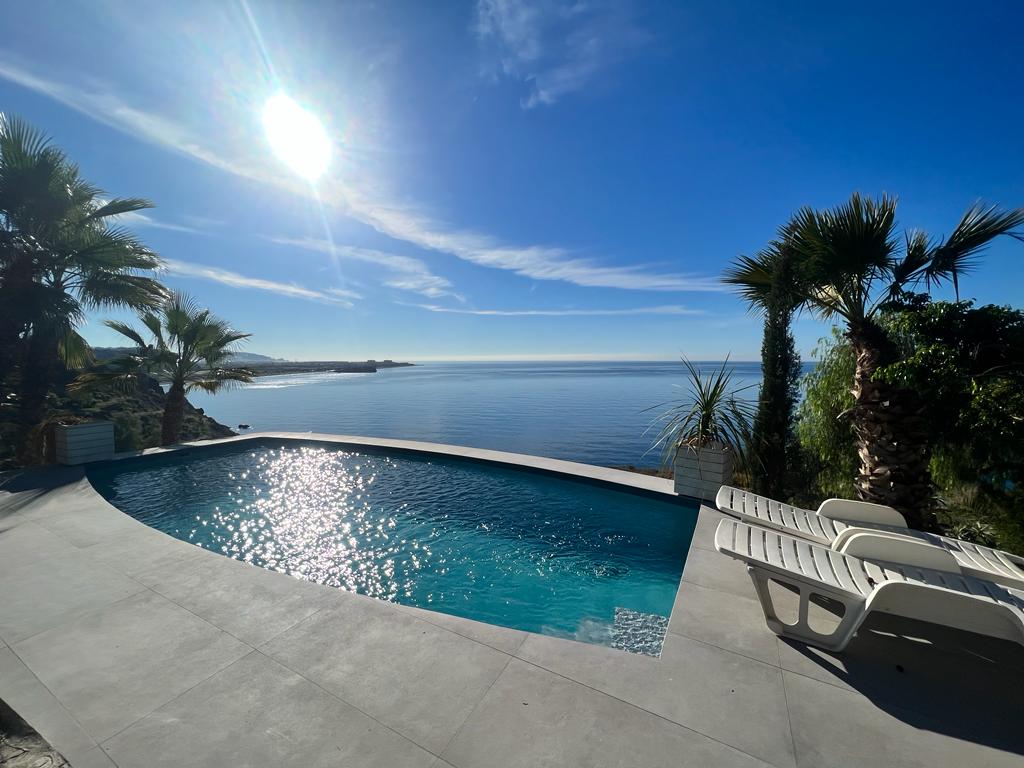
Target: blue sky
x=519, y=178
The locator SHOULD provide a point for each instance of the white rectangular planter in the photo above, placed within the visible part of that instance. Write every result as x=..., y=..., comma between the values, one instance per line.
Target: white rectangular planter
x=700, y=472
x=81, y=443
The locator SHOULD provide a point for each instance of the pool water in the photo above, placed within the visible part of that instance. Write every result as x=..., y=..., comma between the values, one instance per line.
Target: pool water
x=501, y=545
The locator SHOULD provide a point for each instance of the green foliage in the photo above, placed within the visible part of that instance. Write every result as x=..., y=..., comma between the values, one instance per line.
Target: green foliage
x=850, y=264
x=711, y=413
x=968, y=365
x=974, y=531
x=826, y=437
x=851, y=261
x=767, y=282
x=128, y=434
x=188, y=348
x=61, y=254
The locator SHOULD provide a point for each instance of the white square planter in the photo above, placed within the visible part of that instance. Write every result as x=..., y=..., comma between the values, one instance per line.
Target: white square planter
x=81, y=443
x=700, y=472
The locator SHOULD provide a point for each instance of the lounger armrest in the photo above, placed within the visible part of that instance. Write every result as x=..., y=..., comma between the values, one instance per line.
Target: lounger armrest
x=861, y=512
x=895, y=548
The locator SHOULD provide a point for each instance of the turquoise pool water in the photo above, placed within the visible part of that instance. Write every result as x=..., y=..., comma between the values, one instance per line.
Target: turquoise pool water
x=505, y=546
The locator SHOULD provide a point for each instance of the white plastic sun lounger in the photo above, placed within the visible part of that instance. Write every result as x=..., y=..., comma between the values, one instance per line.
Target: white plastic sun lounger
x=838, y=519
x=879, y=572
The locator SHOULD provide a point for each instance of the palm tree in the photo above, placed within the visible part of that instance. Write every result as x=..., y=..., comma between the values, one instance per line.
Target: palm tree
x=850, y=264
x=60, y=256
x=775, y=299
x=188, y=350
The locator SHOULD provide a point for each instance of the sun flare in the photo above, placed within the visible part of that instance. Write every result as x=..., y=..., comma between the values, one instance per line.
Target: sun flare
x=296, y=136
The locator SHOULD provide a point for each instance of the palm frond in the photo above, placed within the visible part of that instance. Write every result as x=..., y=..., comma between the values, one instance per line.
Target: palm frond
x=121, y=290
x=152, y=322
x=753, y=277
x=19, y=141
x=75, y=350
x=216, y=379
x=118, y=206
x=916, y=255
x=127, y=331
x=959, y=253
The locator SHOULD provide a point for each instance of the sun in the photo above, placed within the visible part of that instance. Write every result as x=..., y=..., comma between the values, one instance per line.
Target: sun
x=296, y=136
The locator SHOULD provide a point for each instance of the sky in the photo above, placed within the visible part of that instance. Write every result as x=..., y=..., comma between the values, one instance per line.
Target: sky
x=518, y=179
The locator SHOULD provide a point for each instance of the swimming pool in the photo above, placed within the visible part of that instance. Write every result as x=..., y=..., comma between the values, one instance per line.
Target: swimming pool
x=507, y=546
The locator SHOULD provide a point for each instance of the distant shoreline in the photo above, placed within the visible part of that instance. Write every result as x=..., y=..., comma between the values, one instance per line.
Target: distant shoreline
x=282, y=368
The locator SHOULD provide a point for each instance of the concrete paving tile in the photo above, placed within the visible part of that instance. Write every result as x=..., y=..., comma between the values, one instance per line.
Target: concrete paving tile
x=257, y=713
x=728, y=621
x=25, y=543
x=114, y=665
x=969, y=694
x=250, y=602
x=26, y=695
x=83, y=524
x=411, y=675
x=503, y=638
x=38, y=596
x=142, y=549
x=94, y=758
x=834, y=728
x=889, y=652
x=532, y=718
x=44, y=491
x=707, y=524
x=731, y=698
x=711, y=569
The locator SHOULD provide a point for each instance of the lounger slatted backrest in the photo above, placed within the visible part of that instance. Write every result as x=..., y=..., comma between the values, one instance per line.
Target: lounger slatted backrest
x=973, y=559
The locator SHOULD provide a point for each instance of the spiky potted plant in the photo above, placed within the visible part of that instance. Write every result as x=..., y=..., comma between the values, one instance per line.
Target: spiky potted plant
x=705, y=432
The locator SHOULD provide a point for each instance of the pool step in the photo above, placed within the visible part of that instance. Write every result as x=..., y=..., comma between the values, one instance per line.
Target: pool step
x=638, y=632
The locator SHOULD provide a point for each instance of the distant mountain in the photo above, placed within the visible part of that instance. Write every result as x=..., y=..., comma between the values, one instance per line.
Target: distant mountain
x=252, y=357
x=109, y=353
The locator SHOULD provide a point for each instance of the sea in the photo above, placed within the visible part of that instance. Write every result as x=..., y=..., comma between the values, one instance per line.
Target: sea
x=602, y=413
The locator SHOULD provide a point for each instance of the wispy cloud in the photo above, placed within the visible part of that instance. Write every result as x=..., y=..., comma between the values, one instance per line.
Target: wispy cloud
x=337, y=296
x=108, y=108
x=136, y=219
x=536, y=262
x=410, y=274
x=372, y=207
x=554, y=47
x=671, y=309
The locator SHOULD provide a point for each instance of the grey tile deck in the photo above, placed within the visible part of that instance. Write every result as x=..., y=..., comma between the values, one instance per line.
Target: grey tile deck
x=305, y=726
x=125, y=647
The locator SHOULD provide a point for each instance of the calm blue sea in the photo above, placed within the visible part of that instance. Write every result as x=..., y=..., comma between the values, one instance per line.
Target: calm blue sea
x=582, y=411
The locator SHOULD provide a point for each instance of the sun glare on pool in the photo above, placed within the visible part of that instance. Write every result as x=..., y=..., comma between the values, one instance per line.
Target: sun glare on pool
x=296, y=136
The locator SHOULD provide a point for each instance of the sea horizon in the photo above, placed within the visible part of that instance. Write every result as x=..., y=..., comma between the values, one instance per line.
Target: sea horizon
x=595, y=412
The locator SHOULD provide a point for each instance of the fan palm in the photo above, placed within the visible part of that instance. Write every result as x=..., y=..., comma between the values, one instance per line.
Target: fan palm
x=775, y=300
x=60, y=255
x=849, y=264
x=187, y=349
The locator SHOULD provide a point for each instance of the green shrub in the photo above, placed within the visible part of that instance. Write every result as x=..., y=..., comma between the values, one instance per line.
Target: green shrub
x=828, y=449
x=128, y=432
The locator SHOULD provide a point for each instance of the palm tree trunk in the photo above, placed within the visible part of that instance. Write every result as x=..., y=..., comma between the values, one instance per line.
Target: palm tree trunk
x=38, y=379
x=892, y=435
x=174, y=413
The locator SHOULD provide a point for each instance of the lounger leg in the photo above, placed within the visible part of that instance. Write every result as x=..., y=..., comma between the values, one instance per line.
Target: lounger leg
x=837, y=640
